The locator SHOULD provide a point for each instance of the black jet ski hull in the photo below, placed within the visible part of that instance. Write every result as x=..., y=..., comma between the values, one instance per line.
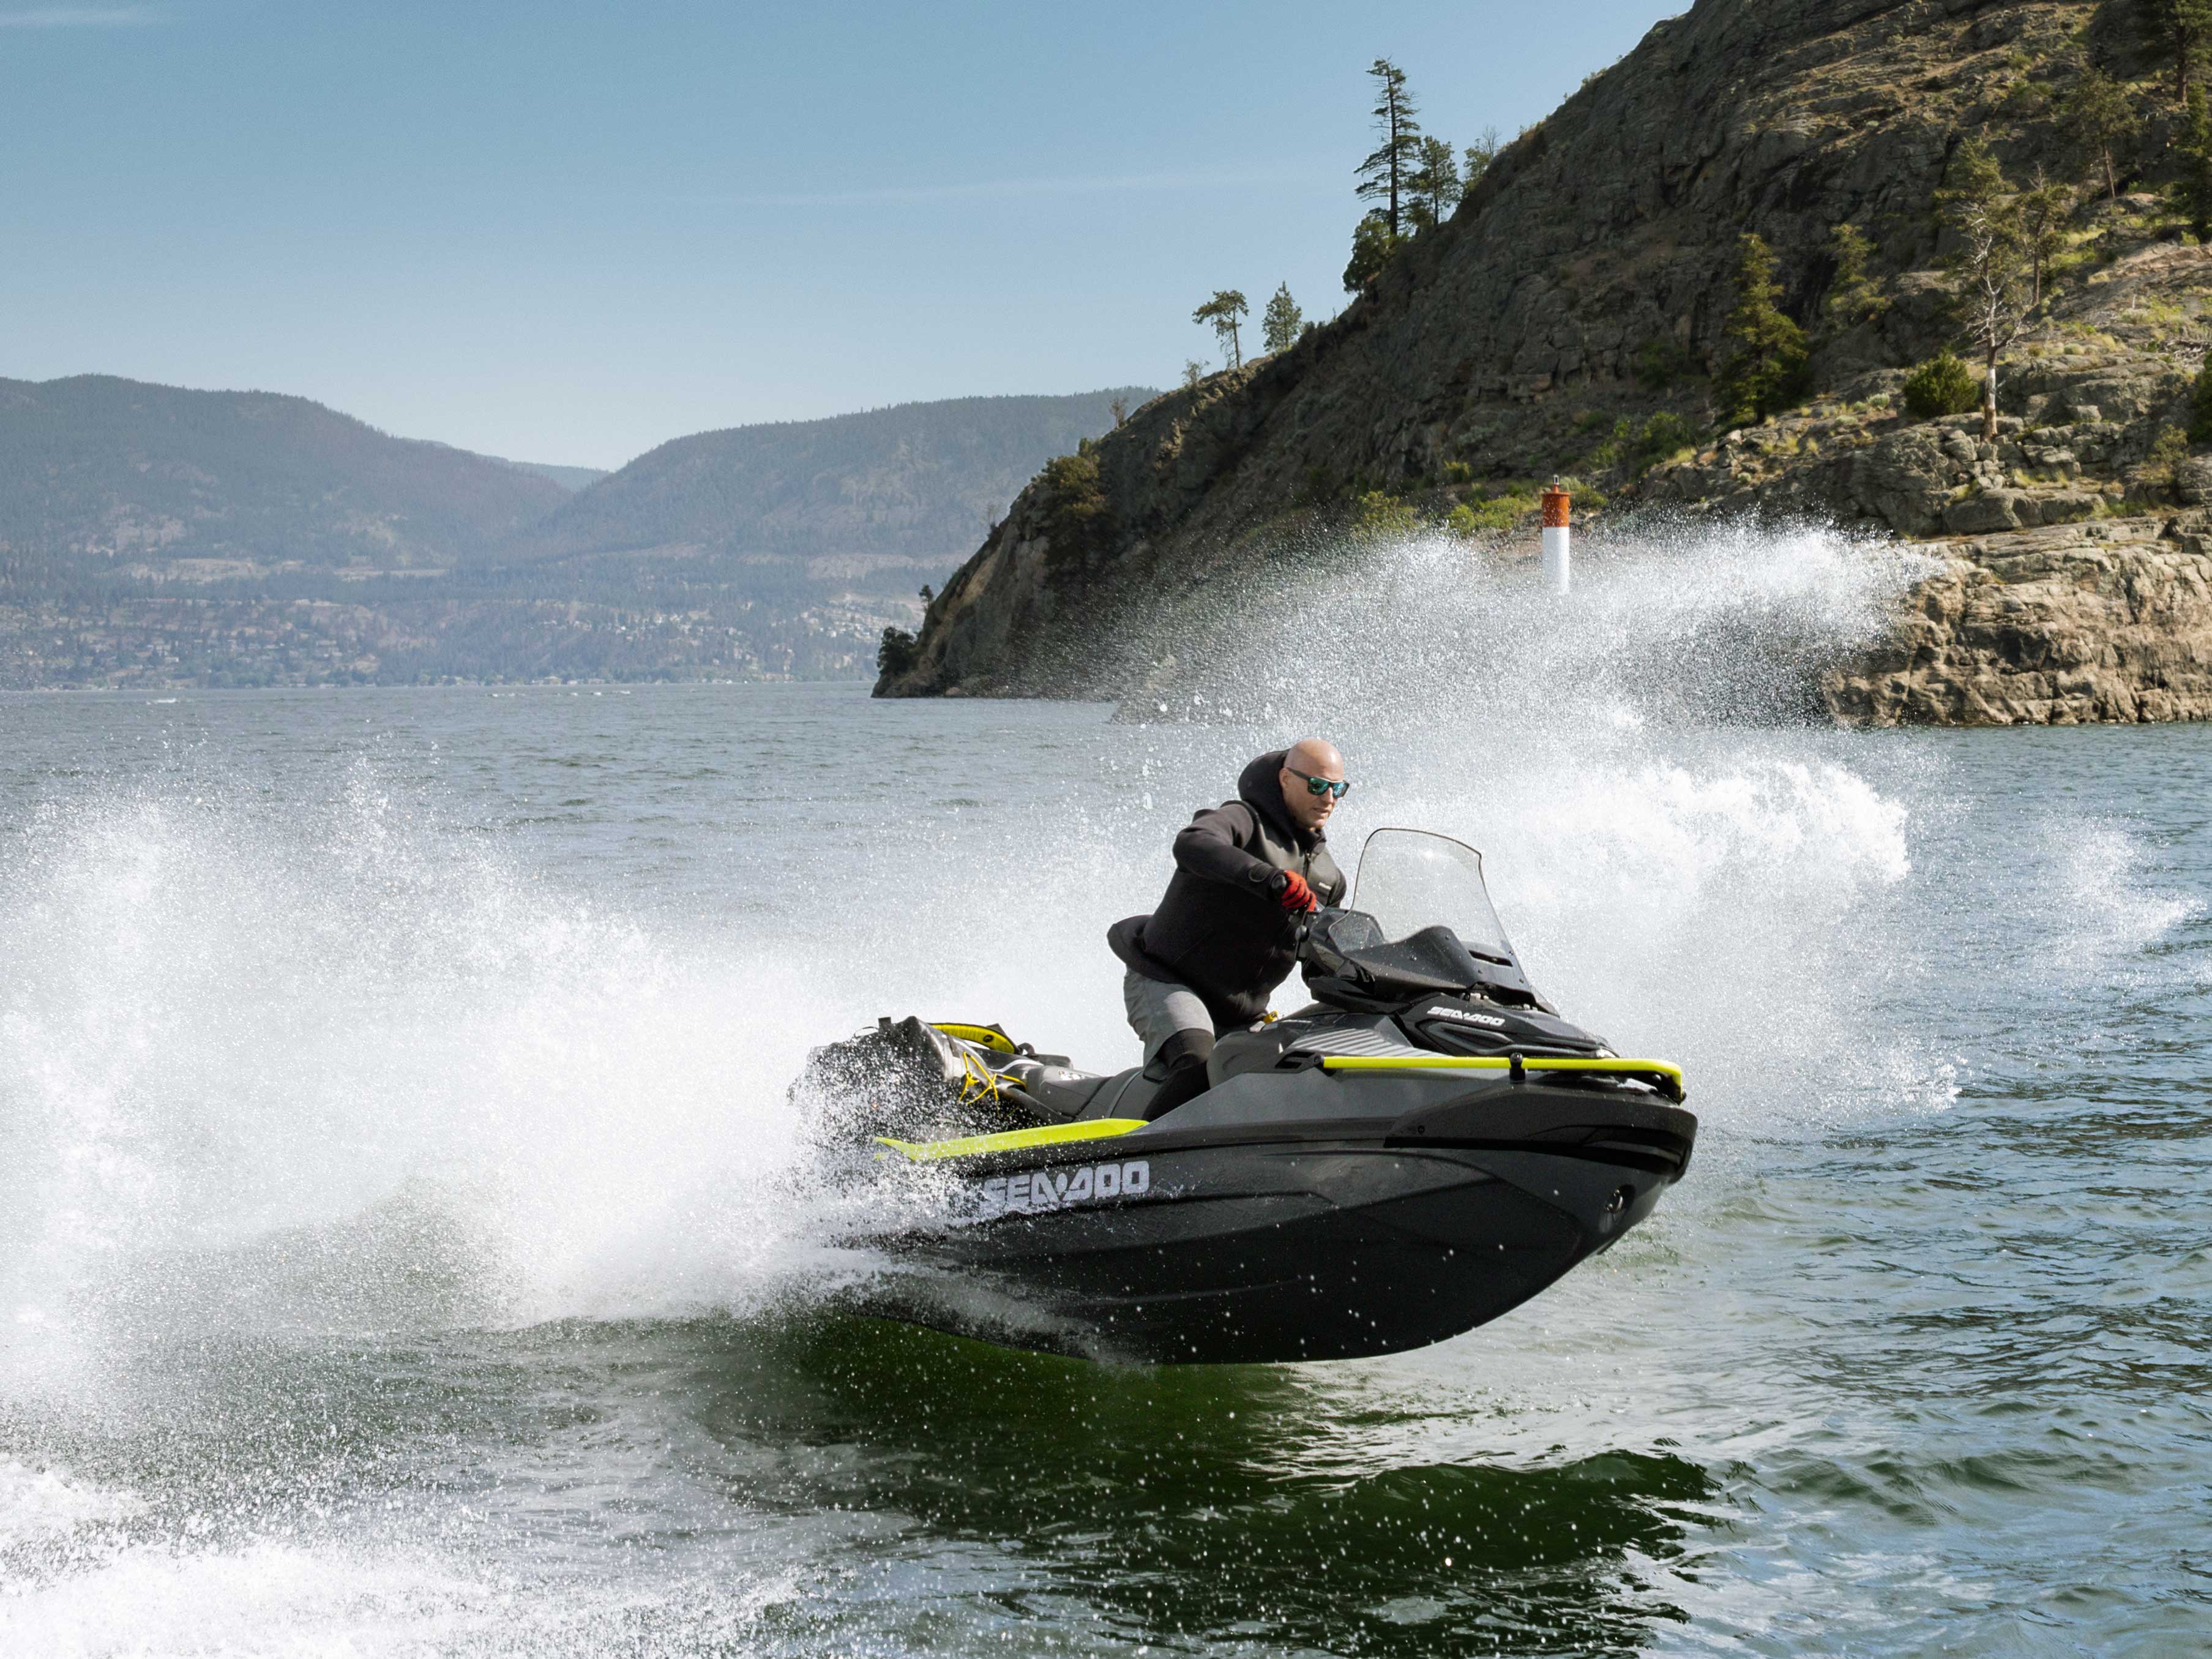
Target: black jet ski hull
x=1251, y=1248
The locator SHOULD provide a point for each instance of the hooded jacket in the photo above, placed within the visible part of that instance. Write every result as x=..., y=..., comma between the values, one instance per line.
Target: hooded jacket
x=1217, y=929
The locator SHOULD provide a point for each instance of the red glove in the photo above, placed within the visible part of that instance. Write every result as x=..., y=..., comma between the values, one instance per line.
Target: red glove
x=1295, y=896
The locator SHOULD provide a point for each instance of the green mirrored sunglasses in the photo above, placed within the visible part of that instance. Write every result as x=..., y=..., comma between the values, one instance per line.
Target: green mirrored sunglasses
x=1338, y=787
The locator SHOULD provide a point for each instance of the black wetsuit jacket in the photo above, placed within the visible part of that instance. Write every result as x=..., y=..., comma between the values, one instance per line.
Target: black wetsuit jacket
x=1218, y=930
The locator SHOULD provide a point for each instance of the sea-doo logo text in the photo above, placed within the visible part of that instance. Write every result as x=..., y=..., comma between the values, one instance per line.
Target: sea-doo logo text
x=1055, y=1189
x=1491, y=1020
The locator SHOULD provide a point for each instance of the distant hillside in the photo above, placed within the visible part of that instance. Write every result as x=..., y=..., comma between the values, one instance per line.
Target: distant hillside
x=96, y=471
x=570, y=478
x=918, y=482
x=150, y=536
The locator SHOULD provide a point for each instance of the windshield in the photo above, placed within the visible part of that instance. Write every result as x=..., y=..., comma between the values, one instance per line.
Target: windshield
x=1410, y=879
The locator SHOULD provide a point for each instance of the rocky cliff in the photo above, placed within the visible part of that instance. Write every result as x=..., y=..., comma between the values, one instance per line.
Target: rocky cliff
x=1571, y=316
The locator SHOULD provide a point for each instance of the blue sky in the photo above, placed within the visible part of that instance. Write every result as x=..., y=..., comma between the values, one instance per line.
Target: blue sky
x=567, y=232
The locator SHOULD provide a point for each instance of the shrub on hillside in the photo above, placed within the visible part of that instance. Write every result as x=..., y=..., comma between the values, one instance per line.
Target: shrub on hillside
x=1942, y=385
x=1500, y=512
x=2200, y=406
x=1381, y=514
x=1639, y=446
x=2162, y=467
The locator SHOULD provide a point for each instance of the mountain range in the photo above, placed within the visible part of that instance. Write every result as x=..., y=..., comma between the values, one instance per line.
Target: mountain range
x=157, y=535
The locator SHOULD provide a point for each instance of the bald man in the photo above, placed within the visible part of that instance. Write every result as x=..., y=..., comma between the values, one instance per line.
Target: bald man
x=1226, y=933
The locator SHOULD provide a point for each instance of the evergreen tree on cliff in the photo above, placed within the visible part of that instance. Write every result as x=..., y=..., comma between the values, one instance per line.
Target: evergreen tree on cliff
x=1224, y=311
x=1281, y=322
x=1383, y=175
x=1372, y=244
x=1767, y=367
x=2193, y=190
x=1433, y=189
x=2102, y=118
x=1854, y=297
x=1990, y=259
x=2182, y=30
x=2044, y=207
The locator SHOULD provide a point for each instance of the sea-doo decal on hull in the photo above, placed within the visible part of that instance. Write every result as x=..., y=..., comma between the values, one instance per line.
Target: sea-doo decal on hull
x=1039, y=1190
x=1464, y=1017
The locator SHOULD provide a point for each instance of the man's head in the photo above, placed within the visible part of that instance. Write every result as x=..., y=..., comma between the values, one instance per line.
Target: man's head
x=1310, y=762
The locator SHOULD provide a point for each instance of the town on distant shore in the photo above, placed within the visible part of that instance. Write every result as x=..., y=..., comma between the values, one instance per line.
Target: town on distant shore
x=155, y=537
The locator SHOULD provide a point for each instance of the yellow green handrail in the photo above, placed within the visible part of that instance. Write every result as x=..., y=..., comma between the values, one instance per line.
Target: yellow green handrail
x=981, y=1035
x=1013, y=1140
x=1671, y=1075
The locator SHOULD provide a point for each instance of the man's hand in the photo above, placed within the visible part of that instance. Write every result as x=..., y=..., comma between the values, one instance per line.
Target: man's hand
x=1292, y=894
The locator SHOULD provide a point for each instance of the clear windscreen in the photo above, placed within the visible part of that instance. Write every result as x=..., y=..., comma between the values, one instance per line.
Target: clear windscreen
x=1410, y=879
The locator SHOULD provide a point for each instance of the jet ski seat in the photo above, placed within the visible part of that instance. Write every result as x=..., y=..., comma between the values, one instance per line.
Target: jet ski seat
x=1058, y=1091
x=1257, y=1050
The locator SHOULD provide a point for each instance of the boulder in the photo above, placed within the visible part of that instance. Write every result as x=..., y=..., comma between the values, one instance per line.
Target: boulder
x=2067, y=507
x=2116, y=395
x=1991, y=511
x=1904, y=478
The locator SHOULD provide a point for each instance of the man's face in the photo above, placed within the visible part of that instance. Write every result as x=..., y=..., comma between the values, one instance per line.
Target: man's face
x=1307, y=810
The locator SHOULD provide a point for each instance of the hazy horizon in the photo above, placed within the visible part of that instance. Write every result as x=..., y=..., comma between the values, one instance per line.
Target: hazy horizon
x=568, y=240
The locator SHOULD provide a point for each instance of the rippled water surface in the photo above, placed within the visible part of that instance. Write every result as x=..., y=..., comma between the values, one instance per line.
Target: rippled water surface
x=404, y=1249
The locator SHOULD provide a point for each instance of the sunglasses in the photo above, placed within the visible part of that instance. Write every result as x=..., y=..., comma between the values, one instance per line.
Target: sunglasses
x=1338, y=787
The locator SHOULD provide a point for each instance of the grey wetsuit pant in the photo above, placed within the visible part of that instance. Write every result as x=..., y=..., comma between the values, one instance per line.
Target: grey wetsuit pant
x=1158, y=1010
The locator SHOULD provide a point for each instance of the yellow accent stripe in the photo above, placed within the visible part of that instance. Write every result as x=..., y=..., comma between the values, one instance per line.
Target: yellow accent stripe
x=1659, y=1068
x=1014, y=1140
x=981, y=1035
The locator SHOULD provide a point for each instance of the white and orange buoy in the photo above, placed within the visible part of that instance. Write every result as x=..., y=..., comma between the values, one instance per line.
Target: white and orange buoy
x=1557, y=574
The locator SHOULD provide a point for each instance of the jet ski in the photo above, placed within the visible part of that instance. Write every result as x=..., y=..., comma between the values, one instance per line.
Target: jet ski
x=1422, y=1148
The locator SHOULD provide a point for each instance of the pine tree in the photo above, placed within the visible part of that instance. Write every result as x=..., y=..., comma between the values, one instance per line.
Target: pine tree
x=2103, y=118
x=2181, y=30
x=1766, y=369
x=1372, y=244
x=1281, y=322
x=1434, y=187
x=1990, y=259
x=1382, y=176
x=2044, y=208
x=1222, y=311
x=894, y=651
x=2193, y=190
x=1975, y=175
x=1854, y=297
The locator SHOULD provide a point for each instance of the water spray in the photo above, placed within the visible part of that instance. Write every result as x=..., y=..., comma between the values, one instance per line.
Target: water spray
x=1557, y=574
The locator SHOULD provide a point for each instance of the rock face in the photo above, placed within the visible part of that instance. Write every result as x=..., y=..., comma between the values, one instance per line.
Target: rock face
x=1581, y=291
x=2098, y=622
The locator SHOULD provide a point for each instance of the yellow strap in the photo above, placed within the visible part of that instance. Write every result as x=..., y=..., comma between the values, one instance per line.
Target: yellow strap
x=1659, y=1068
x=1014, y=1140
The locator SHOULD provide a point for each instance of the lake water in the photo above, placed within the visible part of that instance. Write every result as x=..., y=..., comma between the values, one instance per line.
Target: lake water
x=403, y=1247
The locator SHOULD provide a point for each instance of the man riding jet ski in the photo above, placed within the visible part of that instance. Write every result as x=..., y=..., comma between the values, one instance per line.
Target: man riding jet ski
x=1424, y=1146
x=1226, y=935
